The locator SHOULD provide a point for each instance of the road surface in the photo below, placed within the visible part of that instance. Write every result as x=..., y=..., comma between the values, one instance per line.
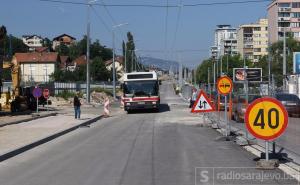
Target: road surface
x=145, y=148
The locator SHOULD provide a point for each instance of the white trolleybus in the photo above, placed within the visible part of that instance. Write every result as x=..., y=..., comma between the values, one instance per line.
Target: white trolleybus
x=141, y=91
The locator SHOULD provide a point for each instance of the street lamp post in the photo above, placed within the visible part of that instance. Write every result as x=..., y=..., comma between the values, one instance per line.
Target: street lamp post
x=114, y=66
x=88, y=54
x=284, y=61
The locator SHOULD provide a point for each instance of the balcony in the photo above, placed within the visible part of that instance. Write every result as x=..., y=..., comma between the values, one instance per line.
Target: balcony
x=284, y=9
x=248, y=47
x=281, y=29
x=284, y=19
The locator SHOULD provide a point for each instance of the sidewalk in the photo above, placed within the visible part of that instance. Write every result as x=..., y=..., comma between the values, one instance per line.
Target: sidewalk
x=15, y=119
x=27, y=134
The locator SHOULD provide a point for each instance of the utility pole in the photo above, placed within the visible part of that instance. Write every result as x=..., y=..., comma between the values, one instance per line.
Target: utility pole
x=125, y=58
x=221, y=73
x=284, y=60
x=180, y=73
x=214, y=85
x=114, y=67
x=88, y=54
x=208, y=80
x=227, y=65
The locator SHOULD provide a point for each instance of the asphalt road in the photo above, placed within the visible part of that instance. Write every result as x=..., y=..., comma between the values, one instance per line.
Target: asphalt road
x=145, y=148
x=289, y=141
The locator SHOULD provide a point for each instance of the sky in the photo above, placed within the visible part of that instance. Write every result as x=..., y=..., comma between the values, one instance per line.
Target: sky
x=154, y=29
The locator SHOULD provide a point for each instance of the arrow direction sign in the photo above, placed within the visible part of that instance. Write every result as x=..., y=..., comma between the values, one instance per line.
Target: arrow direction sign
x=202, y=104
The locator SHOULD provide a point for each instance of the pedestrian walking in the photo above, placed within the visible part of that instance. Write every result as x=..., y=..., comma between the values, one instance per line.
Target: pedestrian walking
x=193, y=98
x=77, y=105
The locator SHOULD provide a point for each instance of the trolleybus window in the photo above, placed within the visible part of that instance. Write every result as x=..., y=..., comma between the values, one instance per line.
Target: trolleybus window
x=141, y=88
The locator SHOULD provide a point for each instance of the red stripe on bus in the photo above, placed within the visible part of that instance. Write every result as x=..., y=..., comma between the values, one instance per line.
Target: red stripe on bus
x=141, y=99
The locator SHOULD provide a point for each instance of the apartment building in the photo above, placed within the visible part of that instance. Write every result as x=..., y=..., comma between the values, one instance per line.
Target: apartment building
x=252, y=40
x=284, y=15
x=225, y=41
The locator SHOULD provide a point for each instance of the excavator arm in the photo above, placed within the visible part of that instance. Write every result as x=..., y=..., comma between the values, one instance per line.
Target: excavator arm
x=15, y=76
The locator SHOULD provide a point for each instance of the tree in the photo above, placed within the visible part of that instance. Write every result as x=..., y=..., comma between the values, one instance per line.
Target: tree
x=3, y=32
x=130, y=52
x=11, y=45
x=234, y=61
x=276, y=52
x=98, y=70
x=47, y=43
x=62, y=49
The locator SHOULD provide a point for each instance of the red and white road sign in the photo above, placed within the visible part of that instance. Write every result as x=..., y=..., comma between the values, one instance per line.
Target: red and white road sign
x=46, y=93
x=202, y=104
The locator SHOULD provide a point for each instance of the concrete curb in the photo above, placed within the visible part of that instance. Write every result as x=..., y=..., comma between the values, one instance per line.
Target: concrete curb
x=34, y=117
x=34, y=144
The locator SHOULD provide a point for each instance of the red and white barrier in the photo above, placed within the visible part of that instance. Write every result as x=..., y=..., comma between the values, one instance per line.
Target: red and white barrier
x=106, y=107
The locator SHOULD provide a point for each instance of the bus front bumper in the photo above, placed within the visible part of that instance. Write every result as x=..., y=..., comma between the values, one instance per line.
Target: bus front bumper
x=141, y=105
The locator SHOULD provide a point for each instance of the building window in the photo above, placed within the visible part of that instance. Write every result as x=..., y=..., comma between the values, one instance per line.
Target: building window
x=257, y=49
x=32, y=67
x=296, y=5
x=296, y=15
x=283, y=14
x=296, y=34
x=284, y=5
x=257, y=29
x=295, y=24
x=283, y=24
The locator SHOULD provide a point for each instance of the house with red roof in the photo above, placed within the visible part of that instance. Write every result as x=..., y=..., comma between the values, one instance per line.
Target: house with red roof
x=36, y=66
x=63, y=39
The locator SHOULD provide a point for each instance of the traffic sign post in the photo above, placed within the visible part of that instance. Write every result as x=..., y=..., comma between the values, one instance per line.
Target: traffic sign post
x=46, y=96
x=266, y=119
x=37, y=92
x=225, y=86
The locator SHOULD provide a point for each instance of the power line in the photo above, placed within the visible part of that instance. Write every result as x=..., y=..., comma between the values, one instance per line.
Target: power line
x=177, y=25
x=109, y=30
x=110, y=15
x=160, y=6
x=102, y=21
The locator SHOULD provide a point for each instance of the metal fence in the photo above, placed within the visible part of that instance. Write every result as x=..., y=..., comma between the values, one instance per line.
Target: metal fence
x=74, y=87
x=59, y=87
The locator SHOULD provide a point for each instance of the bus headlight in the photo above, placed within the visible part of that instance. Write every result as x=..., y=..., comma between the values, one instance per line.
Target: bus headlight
x=154, y=102
x=127, y=103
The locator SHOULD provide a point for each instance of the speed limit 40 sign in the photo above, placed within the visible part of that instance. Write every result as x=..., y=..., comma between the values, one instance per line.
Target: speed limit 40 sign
x=266, y=118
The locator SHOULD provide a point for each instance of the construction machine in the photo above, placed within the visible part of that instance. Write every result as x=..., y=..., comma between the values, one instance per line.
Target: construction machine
x=17, y=99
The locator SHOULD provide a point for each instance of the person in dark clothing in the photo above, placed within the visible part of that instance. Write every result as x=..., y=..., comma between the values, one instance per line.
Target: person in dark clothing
x=77, y=105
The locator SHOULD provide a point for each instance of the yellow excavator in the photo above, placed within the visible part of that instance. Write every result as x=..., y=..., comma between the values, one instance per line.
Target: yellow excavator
x=13, y=101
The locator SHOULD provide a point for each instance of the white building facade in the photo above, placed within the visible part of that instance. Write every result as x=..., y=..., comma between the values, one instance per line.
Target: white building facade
x=225, y=41
x=32, y=41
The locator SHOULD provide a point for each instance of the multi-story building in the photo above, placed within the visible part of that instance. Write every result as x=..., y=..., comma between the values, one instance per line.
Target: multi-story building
x=63, y=39
x=225, y=41
x=253, y=40
x=32, y=41
x=284, y=15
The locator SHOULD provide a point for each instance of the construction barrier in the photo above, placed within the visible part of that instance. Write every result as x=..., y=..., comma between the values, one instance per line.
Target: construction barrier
x=106, y=107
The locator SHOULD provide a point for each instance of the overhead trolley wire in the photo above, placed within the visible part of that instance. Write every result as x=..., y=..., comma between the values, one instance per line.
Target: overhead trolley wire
x=161, y=6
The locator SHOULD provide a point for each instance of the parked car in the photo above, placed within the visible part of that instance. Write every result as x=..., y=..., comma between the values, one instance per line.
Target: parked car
x=291, y=103
x=239, y=106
